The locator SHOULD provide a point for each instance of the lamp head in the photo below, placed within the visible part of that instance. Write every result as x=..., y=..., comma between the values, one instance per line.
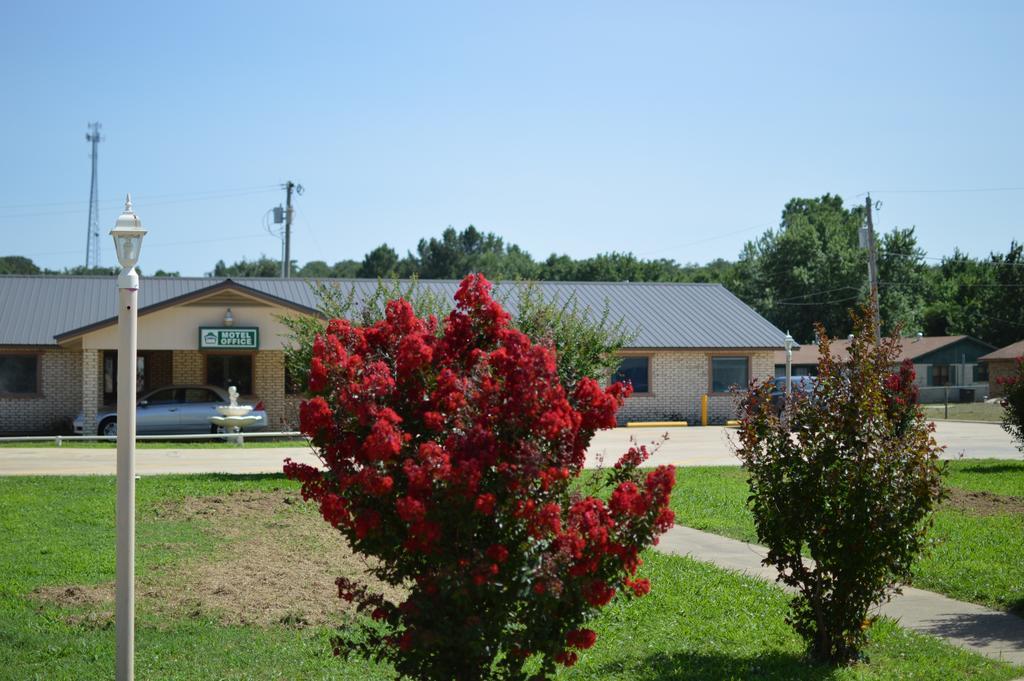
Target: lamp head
x=789, y=341
x=127, y=234
x=229, y=319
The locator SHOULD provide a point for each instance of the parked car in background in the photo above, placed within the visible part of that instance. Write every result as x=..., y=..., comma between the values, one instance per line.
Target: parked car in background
x=800, y=384
x=172, y=410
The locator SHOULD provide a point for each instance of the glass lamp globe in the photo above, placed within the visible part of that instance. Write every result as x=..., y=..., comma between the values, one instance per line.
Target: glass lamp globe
x=127, y=234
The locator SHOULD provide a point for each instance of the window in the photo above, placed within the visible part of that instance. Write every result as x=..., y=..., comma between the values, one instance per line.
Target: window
x=19, y=374
x=940, y=374
x=166, y=396
x=636, y=371
x=110, y=375
x=200, y=395
x=230, y=370
x=980, y=372
x=727, y=372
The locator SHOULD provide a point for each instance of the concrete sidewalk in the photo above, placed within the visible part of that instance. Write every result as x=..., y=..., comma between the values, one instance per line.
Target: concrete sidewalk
x=992, y=633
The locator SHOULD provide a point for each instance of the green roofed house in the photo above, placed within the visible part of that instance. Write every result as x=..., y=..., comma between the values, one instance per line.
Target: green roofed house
x=58, y=340
x=946, y=366
x=1001, y=363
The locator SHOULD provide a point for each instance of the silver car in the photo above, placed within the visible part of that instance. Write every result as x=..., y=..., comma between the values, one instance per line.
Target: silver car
x=172, y=409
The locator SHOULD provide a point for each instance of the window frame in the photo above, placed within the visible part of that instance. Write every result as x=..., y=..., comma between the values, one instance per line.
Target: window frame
x=39, y=375
x=232, y=353
x=650, y=361
x=728, y=355
x=946, y=370
x=980, y=373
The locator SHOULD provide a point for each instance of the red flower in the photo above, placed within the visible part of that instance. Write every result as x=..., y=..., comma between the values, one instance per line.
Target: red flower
x=485, y=504
x=581, y=638
x=448, y=457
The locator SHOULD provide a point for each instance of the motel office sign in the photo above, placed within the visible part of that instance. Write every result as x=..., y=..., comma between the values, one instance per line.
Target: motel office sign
x=228, y=338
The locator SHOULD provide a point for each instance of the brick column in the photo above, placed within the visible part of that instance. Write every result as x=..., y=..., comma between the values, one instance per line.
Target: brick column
x=188, y=366
x=90, y=394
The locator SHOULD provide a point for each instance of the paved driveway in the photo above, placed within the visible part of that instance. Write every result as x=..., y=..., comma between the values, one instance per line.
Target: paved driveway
x=710, y=446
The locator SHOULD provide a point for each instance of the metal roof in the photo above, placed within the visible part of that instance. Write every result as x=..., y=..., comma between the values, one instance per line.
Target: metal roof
x=36, y=309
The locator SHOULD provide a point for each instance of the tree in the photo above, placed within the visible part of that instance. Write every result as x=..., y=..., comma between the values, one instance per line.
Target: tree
x=958, y=287
x=809, y=270
x=1004, y=299
x=17, y=264
x=263, y=267
x=381, y=262
x=904, y=283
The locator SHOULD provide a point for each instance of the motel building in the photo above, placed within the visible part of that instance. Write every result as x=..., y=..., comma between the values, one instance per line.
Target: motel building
x=58, y=340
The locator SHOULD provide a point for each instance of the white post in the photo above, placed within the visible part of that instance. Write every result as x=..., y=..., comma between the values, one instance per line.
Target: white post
x=789, y=365
x=127, y=321
x=128, y=234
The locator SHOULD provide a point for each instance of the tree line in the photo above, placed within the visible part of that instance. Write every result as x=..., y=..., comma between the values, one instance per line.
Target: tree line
x=810, y=268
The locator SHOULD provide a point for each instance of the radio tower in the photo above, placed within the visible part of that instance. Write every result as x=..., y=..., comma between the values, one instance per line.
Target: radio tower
x=92, y=241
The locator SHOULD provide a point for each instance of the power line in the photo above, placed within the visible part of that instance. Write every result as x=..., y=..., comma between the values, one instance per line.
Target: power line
x=160, y=244
x=972, y=190
x=822, y=302
x=818, y=293
x=146, y=201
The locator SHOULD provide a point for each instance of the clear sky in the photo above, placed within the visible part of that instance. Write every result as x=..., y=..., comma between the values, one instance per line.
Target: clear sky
x=667, y=129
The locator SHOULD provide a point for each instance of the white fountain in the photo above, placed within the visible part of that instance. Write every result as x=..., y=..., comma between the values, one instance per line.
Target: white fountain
x=233, y=417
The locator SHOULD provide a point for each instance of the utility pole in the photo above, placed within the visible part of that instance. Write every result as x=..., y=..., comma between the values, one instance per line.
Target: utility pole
x=286, y=264
x=873, y=271
x=92, y=237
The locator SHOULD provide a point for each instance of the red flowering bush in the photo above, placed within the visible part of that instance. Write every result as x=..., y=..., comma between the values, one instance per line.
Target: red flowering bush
x=851, y=478
x=1013, y=403
x=449, y=455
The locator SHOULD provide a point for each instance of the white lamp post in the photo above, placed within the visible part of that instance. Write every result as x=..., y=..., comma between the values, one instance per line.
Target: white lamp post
x=127, y=235
x=789, y=364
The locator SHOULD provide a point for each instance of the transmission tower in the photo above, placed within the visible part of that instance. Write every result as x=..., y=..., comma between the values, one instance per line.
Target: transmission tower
x=92, y=242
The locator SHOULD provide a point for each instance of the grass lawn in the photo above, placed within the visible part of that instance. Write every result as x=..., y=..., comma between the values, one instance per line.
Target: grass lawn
x=698, y=623
x=970, y=411
x=978, y=554
x=252, y=443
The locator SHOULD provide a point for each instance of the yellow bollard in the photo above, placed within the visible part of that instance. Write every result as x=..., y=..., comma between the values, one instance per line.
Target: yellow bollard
x=704, y=410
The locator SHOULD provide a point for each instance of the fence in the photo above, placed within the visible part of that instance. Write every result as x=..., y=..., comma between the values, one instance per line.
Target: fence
x=237, y=438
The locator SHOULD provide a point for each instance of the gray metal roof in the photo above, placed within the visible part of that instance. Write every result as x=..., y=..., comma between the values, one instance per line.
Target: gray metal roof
x=36, y=309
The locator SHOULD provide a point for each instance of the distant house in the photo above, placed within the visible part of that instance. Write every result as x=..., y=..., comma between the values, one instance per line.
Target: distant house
x=58, y=342
x=1001, y=363
x=946, y=366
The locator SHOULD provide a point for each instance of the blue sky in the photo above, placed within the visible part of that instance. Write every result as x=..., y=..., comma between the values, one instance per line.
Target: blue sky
x=667, y=129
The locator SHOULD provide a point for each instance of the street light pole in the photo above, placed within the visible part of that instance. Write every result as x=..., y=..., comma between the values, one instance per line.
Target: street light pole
x=789, y=364
x=127, y=234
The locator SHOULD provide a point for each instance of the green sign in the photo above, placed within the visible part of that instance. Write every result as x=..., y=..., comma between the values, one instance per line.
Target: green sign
x=231, y=337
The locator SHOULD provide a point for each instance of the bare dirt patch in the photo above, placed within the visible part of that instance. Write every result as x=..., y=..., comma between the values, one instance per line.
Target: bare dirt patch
x=277, y=565
x=983, y=503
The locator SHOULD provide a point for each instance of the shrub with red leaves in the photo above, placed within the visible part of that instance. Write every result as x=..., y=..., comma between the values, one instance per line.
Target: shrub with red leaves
x=449, y=457
x=1013, y=403
x=849, y=479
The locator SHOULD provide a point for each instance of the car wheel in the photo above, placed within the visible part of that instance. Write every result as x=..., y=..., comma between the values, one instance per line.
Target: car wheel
x=108, y=427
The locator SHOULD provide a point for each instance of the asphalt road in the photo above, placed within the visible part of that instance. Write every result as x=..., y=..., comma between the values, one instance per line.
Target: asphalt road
x=683, y=447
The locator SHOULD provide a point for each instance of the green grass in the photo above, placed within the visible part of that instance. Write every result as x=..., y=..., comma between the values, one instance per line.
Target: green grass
x=974, y=558
x=698, y=623
x=251, y=443
x=971, y=411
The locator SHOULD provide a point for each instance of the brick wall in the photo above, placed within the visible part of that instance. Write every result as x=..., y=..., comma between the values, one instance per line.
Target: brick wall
x=188, y=367
x=60, y=396
x=996, y=369
x=282, y=409
x=678, y=379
